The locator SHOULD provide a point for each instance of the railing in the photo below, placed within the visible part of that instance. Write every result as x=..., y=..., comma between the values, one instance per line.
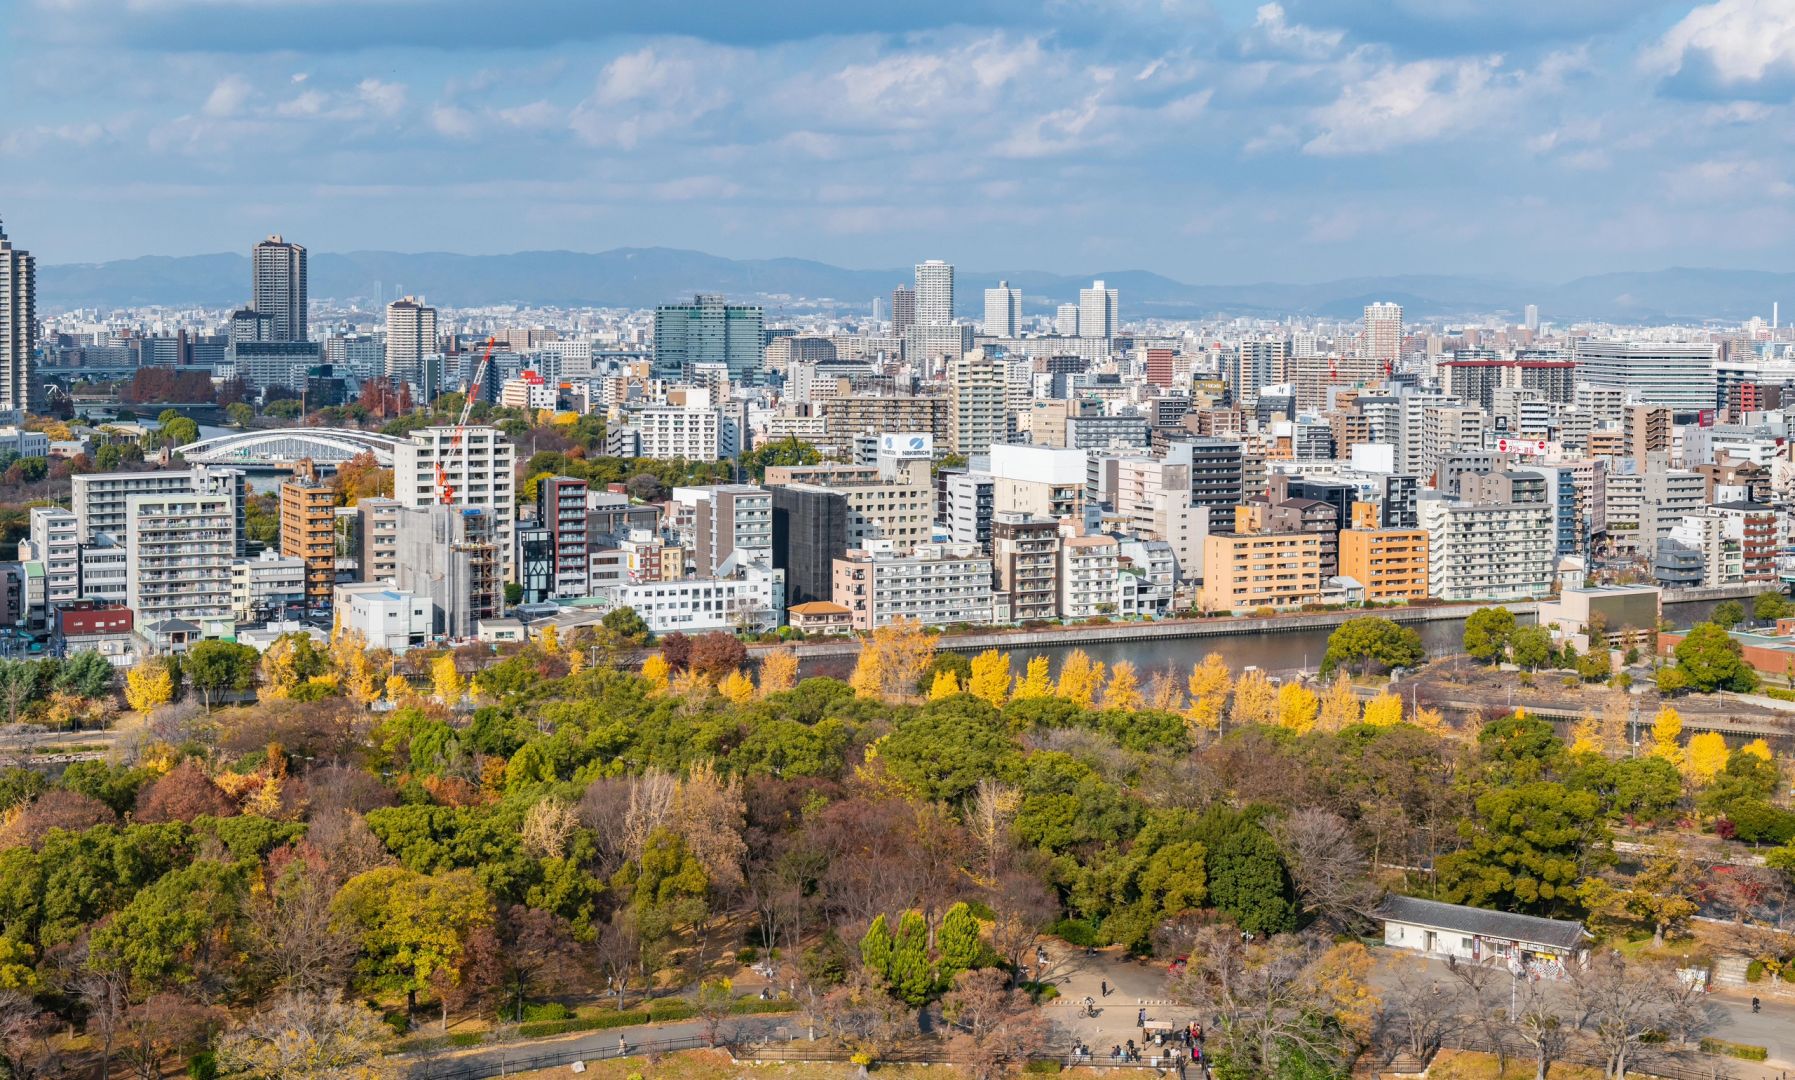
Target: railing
x=1646, y=1060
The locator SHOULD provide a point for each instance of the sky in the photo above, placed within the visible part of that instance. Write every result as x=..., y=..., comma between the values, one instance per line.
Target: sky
x=1214, y=141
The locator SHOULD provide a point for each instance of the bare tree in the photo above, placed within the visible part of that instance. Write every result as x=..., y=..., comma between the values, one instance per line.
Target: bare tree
x=1488, y=988
x=1021, y=906
x=1541, y=1023
x=708, y=812
x=1327, y=865
x=293, y=936
x=650, y=806
x=1618, y=1013
x=163, y=1025
x=616, y=951
x=24, y=1032
x=104, y=995
x=863, y=1017
x=997, y=1028
x=1419, y=1009
x=345, y=845
x=604, y=808
x=1268, y=997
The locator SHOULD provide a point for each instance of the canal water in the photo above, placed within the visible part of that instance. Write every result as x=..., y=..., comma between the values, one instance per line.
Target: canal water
x=1278, y=654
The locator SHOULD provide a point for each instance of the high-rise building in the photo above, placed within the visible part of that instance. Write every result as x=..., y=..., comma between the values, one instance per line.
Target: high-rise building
x=1676, y=374
x=1383, y=332
x=1531, y=319
x=179, y=547
x=279, y=289
x=18, y=325
x=1065, y=320
x=410, y=337
x=479, y=472
x=561, y=500
x=1003, y=311
x=1097, y=316
x=709, y=331
x=976, y=390
x=934, y=293
x=903, y=309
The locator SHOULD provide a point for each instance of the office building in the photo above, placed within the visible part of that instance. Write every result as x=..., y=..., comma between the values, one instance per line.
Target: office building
x=1003, y=311
x=709, y=331
x=410, y=338
x=279, y=288
x=479, y=473
x=1677, y=375
x=561, y=502
x=810, y=531
x=1097, y=317
x=1383, y=332
x=934, y=293
x=732, y=525
x=18, y=327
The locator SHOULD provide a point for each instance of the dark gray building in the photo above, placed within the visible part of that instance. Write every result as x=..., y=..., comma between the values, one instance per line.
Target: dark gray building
x=810, y=531
x=279, y=288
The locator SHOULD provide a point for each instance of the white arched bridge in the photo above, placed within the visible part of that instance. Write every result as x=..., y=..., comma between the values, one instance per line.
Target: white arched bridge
x=327, y=447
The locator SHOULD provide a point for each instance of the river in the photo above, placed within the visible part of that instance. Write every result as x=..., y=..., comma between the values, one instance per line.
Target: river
x=1278, y=654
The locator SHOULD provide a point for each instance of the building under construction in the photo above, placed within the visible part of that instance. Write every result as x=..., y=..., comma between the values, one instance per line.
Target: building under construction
x=451, y=555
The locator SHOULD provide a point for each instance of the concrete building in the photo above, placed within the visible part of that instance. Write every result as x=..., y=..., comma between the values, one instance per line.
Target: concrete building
x=1679, y=375
x=479, y=473
x=54, y=541
x=1098, y=312
x=1003, y=311
x=977, y=419
x=1383, y=332
x=269, y=587
x=934, y=293
x=934, y=584
x=1482, y=547
x=279, y=288
x=1037, y=480
x=1532, y=946
x=410, y=337
x=1087, y=577
x=385, y=617
x=893, y=500
x=1025, y=552
x=1247, y=571
x=453, y=557
x=967, y=503
x=101, y=501
x=308, y=531
x=1390, y=564
x=811, y=523
x=732, y=525
x=18, y=327
x=753, y=601
x=561, y=502
x=179, y=547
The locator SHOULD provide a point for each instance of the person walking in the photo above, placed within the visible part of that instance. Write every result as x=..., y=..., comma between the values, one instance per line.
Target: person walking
x=1103, y=986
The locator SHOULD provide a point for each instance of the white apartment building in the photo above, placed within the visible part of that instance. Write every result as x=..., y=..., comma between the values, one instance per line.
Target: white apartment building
x=481, y=472
x=1003, y=311
x=1642, y=508
x=178, y=552
x=1481, y=551
x=934, y=293
x=1088, y=568
x=54, y=541
x=935, y=585
x=754, y=601
x=1147, y=581
x=264, y=587
x=386, y=617
x=1065, y=320
x=1097, y=312
x=410, y=337
x=977, y=389
x=101, y=501
x=1383, y=332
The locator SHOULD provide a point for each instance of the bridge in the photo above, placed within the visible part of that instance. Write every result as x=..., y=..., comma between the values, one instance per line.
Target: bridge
x=275, y=447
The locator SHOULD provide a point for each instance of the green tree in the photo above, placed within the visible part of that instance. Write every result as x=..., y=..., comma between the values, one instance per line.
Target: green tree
x=1712, y=660
x=1727, y=614
x=174, y=930
x=410, y=926
x=958, y=941
x=875, y=949
x=627, y=624
x=912, y=977
x=179, y=431
x=1369, y=643
x=1770, y=606
x=1249, y=883
x=1487, y=634
x=944, y=750
x=1518, y=748
x=1527, y=848
x=219, y=667
x=241, y=414
x=1531, y=647
x=788, y=451
x=86, y=673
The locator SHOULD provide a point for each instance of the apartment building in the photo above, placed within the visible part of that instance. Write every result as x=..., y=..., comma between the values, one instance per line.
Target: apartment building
x=179, y=546
x=1247, y=571
x=933, y=584
x=479, y=472
x=308, y=531
x=1390, y=564
x=1025, y=552
x=1088, y=576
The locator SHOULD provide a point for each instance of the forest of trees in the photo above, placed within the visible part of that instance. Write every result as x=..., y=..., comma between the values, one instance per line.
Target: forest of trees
x=485, y=841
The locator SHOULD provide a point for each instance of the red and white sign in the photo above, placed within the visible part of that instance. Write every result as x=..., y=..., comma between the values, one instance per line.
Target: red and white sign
x=1537, y=447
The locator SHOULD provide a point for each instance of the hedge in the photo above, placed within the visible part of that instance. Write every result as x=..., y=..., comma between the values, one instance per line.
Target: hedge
x=1742, y=1051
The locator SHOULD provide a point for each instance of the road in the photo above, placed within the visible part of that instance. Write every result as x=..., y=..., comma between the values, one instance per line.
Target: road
x=597, y=1044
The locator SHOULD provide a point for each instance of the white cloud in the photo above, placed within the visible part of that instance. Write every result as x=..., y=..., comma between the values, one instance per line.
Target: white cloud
x=1399, y=104
x=1272, y=31
x=385, y=98
x=653, y=92
x=1737, y=42
x=452, y=121
x=228, y=97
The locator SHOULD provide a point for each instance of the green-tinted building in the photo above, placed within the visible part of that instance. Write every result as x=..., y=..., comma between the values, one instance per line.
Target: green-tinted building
x=708, y=331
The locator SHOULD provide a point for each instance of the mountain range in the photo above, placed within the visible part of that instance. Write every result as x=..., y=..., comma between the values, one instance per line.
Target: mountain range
x=643, y=277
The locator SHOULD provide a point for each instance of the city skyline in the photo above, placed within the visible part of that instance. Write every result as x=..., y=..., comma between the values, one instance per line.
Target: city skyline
x=1486, y=138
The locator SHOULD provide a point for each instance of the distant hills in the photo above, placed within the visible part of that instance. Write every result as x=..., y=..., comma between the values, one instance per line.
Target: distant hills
x=643, y=277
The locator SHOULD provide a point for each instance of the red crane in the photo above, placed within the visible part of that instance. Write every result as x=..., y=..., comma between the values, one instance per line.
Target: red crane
x=445, y=492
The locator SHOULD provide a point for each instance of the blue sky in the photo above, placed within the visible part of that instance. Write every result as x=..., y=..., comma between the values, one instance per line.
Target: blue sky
x=1211, y=140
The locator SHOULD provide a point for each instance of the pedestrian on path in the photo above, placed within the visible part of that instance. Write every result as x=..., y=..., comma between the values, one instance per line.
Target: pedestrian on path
x=1103, y=985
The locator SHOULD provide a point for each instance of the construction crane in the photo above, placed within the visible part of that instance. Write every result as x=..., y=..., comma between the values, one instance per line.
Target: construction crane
x=445, y=492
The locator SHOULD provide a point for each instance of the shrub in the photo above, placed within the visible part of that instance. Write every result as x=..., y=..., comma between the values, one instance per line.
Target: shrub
x=1754, y=971
x=1074, y=932
x=548, y=1010
x=747, y=955
x=1042, y=1068
x=753, y=1006
x=202, y=1066
x=1742, y=1051
x=462, y=1039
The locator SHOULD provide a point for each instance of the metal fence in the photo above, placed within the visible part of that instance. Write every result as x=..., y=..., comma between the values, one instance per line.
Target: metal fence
x=1644, y=1060
x=510, y=1063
